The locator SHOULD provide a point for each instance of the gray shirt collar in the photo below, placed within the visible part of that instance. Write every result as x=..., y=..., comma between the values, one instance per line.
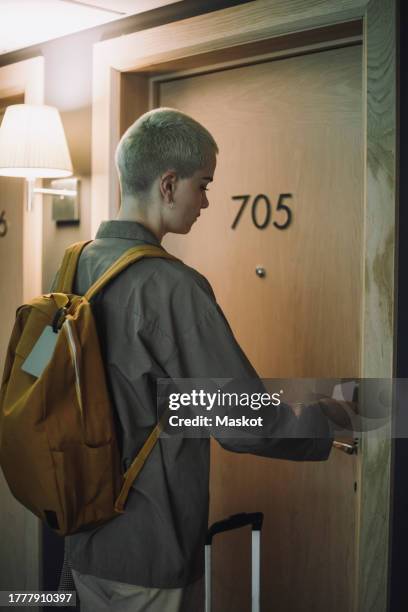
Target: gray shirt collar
x=130, y=230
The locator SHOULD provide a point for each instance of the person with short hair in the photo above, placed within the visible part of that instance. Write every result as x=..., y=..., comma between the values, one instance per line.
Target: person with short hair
x=160, y=319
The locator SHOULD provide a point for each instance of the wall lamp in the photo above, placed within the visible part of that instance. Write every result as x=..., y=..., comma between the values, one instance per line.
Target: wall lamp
x=33, y=145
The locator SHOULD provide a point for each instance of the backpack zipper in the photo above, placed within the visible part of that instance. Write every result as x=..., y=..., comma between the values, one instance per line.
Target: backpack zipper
x=74, y=356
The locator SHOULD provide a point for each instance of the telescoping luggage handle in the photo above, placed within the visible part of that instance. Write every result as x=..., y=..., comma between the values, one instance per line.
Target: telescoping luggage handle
x=234, y=522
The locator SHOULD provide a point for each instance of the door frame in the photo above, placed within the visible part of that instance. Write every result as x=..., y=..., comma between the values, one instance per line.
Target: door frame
x=27, y=78
x=260, y=25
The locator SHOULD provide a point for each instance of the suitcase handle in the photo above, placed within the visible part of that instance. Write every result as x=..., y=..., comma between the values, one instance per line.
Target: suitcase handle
x=234, y=522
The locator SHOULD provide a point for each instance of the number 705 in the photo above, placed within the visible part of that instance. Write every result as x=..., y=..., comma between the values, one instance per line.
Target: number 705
x=262, y=198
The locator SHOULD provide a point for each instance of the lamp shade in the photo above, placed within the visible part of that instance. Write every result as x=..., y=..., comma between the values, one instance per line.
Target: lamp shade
x=33, y=143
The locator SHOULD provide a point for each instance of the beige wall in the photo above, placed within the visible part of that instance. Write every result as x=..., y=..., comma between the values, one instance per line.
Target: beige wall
x=68, y=72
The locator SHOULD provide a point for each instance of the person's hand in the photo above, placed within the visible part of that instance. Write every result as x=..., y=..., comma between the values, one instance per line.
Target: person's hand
x=339, y=412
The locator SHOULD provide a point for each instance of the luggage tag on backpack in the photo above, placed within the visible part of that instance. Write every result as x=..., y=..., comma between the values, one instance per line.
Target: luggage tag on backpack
x=40, y=355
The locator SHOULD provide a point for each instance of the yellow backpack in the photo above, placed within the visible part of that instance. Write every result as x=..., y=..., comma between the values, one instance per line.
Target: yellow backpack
x=58, y=443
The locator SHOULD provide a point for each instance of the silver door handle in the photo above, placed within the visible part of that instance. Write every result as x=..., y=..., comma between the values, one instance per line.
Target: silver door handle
x=350, y=449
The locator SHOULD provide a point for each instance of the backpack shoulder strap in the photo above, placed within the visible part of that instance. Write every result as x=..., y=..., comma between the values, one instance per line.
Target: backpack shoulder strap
x=138, y=462
x=68, y=268
x=129, y=257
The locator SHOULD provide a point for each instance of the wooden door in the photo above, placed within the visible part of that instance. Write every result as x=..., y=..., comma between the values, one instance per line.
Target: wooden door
x=289, y=126
x=21, y=272
x=14, y=517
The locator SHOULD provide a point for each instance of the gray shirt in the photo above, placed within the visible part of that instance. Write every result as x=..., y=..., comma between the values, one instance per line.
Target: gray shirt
x=160, y=319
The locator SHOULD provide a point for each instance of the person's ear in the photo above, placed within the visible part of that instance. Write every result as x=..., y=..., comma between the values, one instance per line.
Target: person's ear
x=167, y=185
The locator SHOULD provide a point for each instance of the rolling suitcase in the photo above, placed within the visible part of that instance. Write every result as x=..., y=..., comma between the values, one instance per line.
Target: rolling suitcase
x=234, y=522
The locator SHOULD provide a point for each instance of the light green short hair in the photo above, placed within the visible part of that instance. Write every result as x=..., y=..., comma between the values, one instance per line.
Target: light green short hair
x=160, y=140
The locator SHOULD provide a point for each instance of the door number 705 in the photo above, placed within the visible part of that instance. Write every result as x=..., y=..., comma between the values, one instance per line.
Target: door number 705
x=261, y=197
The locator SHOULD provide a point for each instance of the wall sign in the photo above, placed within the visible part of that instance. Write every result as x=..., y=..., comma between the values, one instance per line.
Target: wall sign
x=261, y=211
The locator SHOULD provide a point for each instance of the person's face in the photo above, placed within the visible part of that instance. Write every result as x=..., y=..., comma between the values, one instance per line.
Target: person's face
x=190, y=197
